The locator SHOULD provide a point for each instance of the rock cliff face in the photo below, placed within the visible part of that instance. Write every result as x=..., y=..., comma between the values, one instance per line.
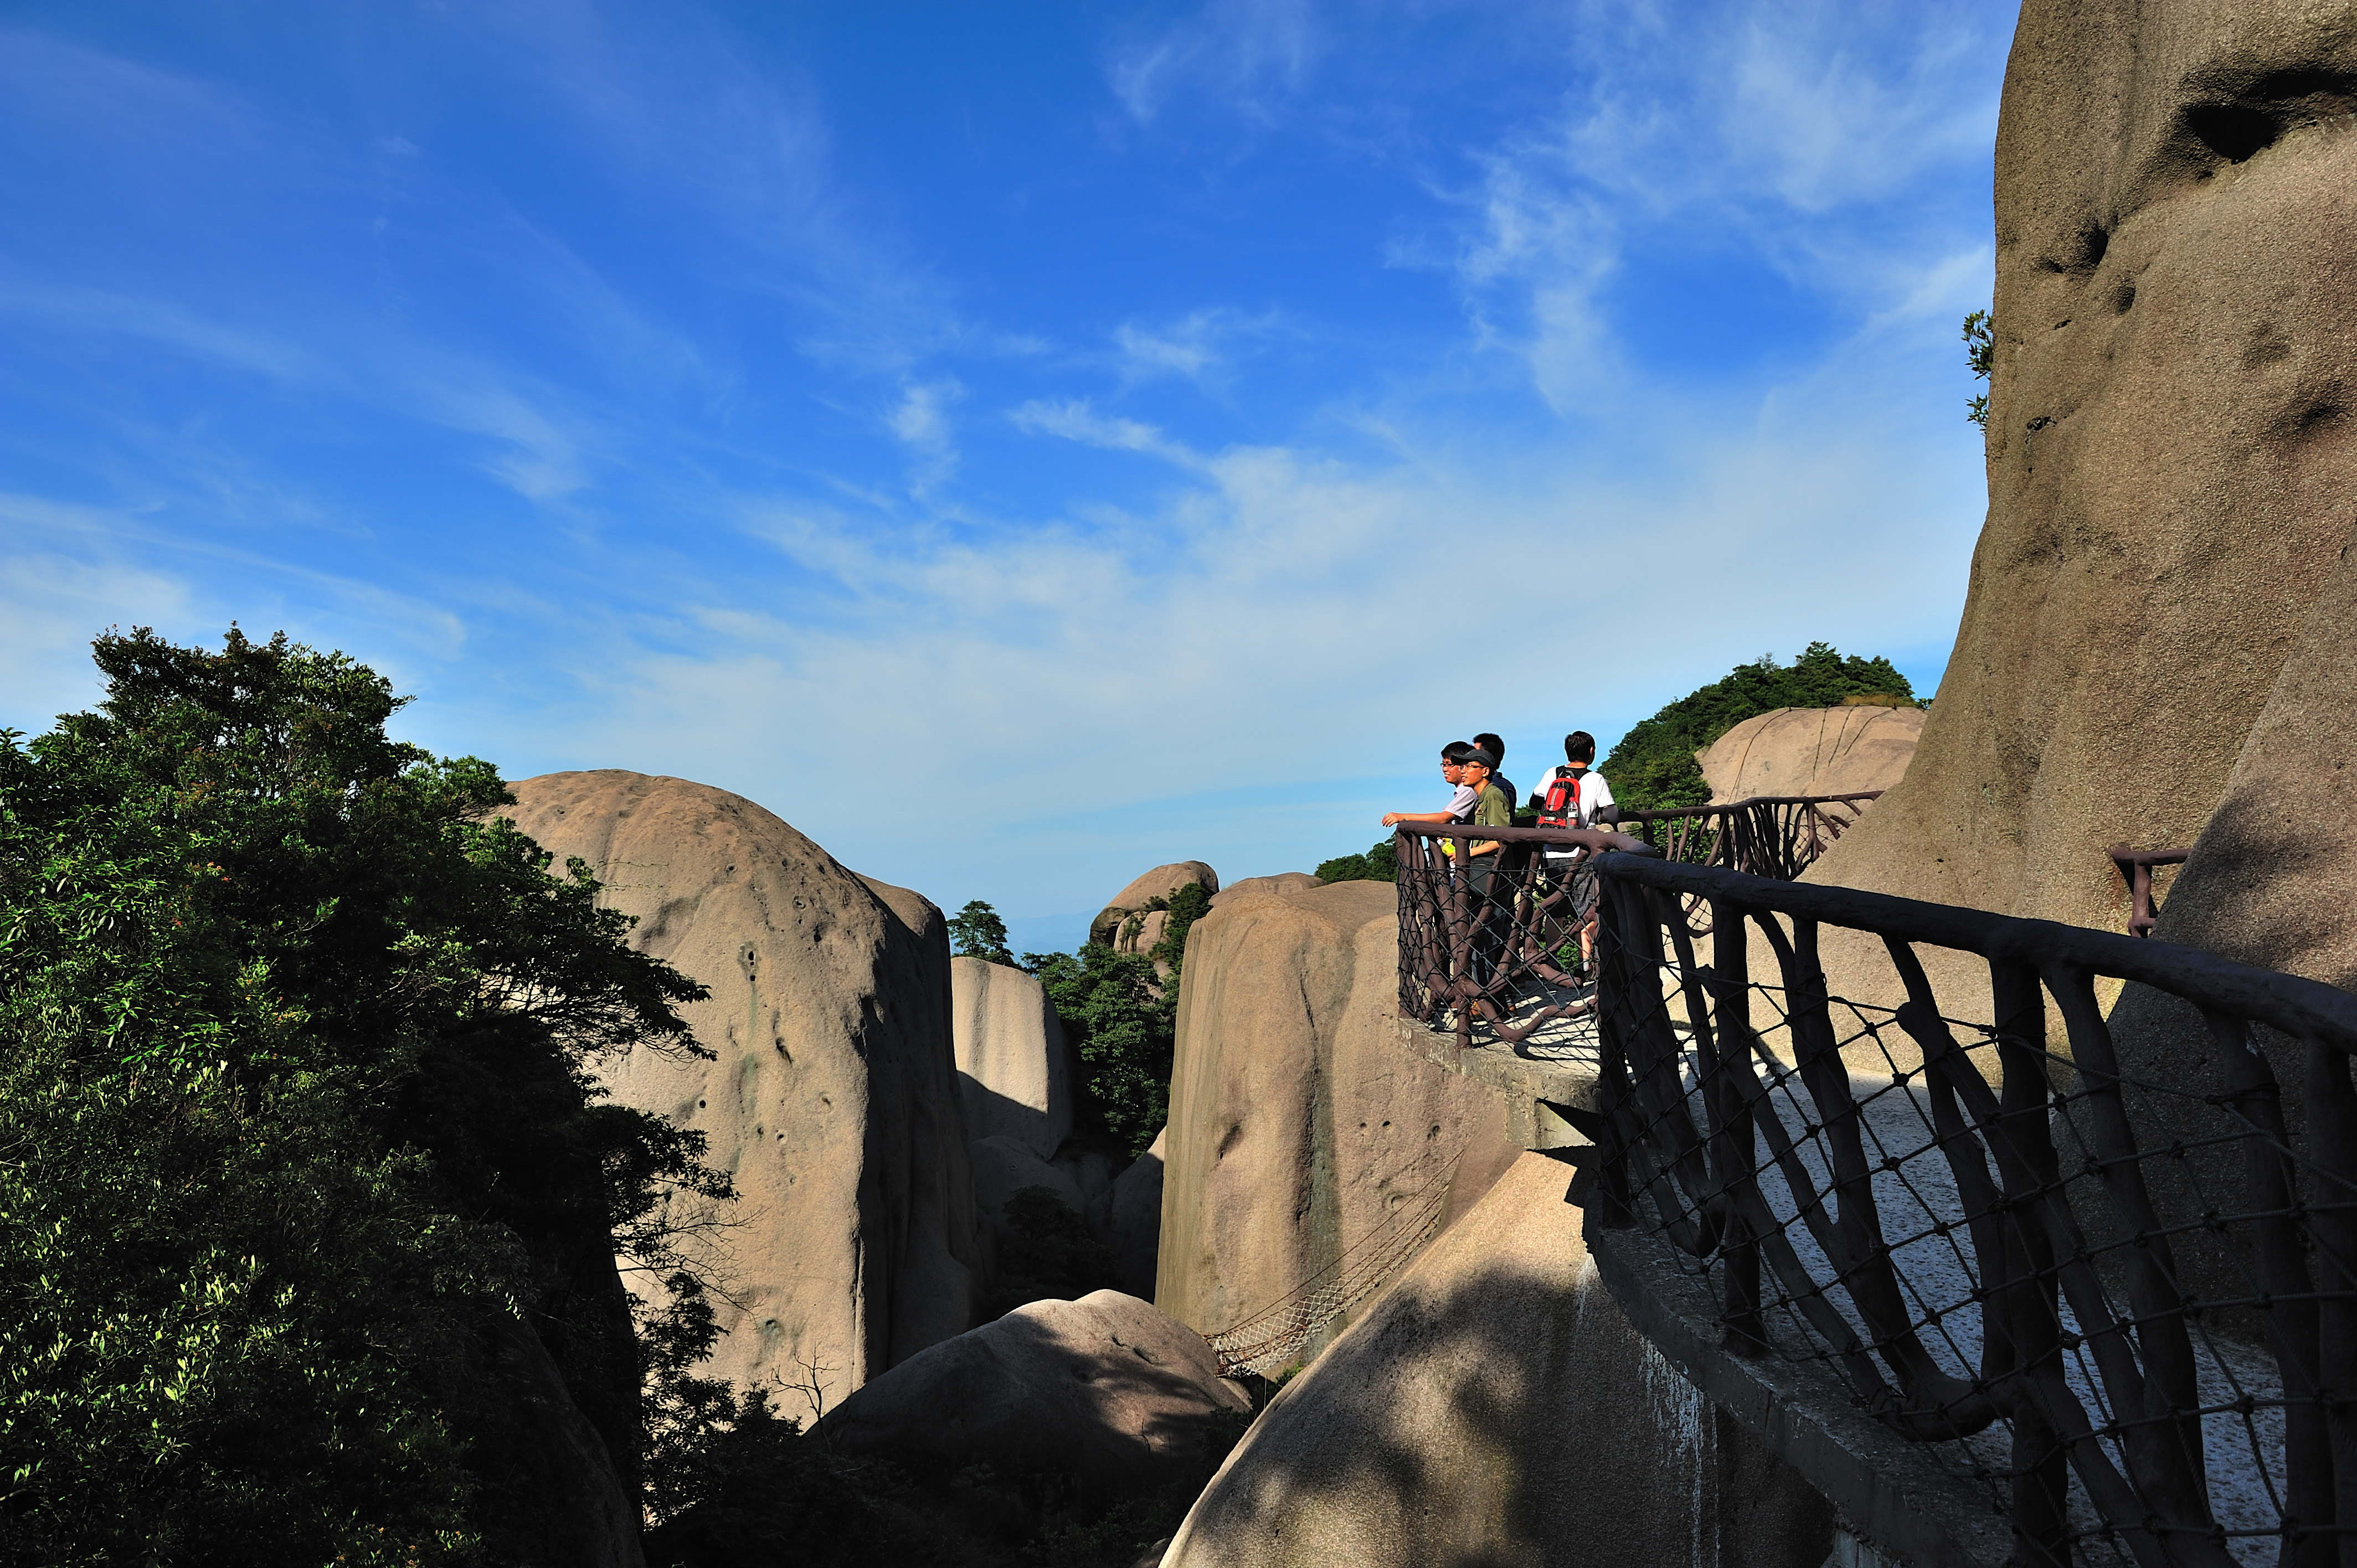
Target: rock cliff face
x=834, y=1101
x=1812, y=751
x=1496, y=1409
x=1013, y=1070
x=1297, y=1125
x=2173, y=441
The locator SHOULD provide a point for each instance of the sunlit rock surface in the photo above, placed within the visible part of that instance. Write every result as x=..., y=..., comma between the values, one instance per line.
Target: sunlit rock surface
x=834, y=1103
x=1496, y=1409
x=1812, y=751
x=1298, y=1124
x=1014, y=1068
x=2172, y=444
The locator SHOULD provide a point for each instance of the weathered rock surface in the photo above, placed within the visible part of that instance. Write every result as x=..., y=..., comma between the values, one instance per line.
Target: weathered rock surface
x=2272, y=881
x=1104, y=1390
x=1004, y=1166
x=1014, y=1068
x=2172, y=442
x=1496, y=1409
x=1128, y=1220
x=1297, y=1125
x=834, y=1103
x=1283, y=882
x=1812, y=751
x=557, y=1466
x=1158, y=883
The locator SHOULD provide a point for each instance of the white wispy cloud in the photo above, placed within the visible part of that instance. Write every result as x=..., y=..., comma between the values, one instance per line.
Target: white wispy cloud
x=1242, y=51
x=1076, y=419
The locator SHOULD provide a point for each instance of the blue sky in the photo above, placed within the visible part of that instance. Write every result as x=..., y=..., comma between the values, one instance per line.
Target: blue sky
x=1018, y=445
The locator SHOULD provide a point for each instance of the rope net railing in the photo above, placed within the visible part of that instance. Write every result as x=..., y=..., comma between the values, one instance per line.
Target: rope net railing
x=2120, y=1306
x=1489, y=918
x=1274, y=1338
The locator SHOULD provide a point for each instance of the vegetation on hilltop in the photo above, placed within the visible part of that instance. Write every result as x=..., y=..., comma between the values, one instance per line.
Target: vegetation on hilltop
x=1653, y=768
x=295, y=1043
x=1379, y=863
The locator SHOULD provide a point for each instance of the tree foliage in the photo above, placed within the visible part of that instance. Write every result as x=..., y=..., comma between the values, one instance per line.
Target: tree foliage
x=1119, y=1020
x=1379, y=863
x=299, y=1131
x=1654, y=768
x=1980, y=354
x=976, y=931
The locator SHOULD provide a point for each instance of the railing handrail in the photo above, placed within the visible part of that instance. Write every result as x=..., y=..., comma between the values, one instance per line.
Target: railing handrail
x=2307, y=1008
x=1668, y=813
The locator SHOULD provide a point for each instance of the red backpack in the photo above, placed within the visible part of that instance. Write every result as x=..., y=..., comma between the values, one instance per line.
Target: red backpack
x=1561, y=807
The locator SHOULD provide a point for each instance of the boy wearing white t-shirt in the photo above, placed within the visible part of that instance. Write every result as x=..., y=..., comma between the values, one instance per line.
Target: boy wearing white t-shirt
x=1578, y=797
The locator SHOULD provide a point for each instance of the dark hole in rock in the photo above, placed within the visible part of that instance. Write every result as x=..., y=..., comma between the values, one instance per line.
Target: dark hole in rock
x=2041, y=423
x=2124, y=299
x=2233, y=131
x=2093, y=242
x=2318, y=415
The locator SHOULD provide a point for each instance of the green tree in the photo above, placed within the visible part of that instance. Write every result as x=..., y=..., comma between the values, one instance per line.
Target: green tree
x=297, y=1044
x=1187, y=904
x=976, y=931
x=1120, y=1021
x=1980, y=353
x=1653, y=768
x=1379, y=863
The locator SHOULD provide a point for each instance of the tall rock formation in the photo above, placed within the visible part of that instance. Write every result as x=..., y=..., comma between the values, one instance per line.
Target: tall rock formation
x=1812, y=751
x=2172, y=447
x=833, y=1099
x=1014, y=1068
x=1297, y=1124
x=1495, y=1409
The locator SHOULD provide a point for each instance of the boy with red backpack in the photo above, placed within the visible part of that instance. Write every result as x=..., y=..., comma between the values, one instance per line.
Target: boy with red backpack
x=1576, y=796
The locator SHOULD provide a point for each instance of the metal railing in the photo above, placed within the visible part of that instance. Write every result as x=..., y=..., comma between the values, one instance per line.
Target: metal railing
x=2120, y=1306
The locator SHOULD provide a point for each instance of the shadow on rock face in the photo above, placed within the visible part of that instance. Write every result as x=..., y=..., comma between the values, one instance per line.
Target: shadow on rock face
x=1496, y=1409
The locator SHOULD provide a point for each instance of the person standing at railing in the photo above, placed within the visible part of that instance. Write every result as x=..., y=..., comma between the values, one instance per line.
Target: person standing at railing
x=1496, y=747
x=1578, y=797
x=1492, y=810
x=1460, y=806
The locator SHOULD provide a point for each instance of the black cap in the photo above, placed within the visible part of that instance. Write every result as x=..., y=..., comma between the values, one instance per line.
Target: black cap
x=1475, y=754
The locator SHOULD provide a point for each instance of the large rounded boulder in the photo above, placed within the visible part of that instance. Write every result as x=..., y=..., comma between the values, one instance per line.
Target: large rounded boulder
x=832, y=1099
x=1130, y=922
x=1812, y=751
x=1104, y=1391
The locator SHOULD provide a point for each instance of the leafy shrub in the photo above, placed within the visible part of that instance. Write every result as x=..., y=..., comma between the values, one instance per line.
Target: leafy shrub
x=1653, y=768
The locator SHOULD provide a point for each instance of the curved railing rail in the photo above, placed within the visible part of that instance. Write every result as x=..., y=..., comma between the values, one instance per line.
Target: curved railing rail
x=1767, y=835
x=2120, y=1300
